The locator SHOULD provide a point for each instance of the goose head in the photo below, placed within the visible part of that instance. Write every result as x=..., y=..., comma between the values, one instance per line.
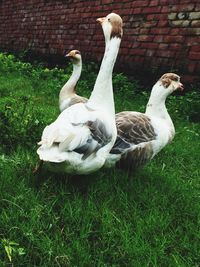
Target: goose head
x=112, y=26
x=74, y=56
x=166, y=85
x=171, y=82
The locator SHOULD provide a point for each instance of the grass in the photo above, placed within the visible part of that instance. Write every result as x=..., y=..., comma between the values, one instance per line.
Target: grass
x=106, y=218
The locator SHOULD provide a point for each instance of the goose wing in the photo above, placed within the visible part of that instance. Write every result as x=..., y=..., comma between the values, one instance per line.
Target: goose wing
x=75, y=130
x=135, y=134
x=99, y=137
x=134, y=127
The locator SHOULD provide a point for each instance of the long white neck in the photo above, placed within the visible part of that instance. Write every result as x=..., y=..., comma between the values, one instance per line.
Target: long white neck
x=156, y=105
x=102, y=94
x=69, y=87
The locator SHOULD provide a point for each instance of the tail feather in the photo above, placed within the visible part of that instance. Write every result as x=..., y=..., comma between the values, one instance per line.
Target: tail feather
x=50, y=139
x=65, y=144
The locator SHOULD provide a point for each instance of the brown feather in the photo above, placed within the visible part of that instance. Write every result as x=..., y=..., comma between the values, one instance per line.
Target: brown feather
x=134, y=128
x=136, y=157
x=116, y=22
x=167, y=78
x=77, y=99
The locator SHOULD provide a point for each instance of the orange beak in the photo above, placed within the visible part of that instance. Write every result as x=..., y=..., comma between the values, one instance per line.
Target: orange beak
x=101, y=20
x=69, y=54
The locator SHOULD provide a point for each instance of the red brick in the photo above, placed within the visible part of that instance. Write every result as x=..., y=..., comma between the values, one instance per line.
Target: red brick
x=124, y=51
x=150, y=17
x=153, y=3
x=181, y=8
x=149, y=45
x=151, y=10
x=195, y=48
x=137, y=51
x=175, y=47
x=164, y=2
x=150, y=53
x=173, y=39
x=144, y=31
x=166, y=9
x=198, y=67
x=139, y=59
x=160, y=31
x=149, y=24
x=165, y=53
x=192, y=40
x=125, y=5
x=195, y=23
x=186, y=1
x=192, y=66
x=163, y=23
x=190, y=79
x=136, y=10
x=134, y=31
x=163, y=46
x=197, y=7
x=140, y=3
x=145, y=38
x=126, y=43
x=126, y=11
x=194, y=55
x=175, y=31
x=160, y=16
x=158, y=39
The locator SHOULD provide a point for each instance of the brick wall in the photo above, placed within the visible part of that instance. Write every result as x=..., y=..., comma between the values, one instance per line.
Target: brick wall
x=159, y=35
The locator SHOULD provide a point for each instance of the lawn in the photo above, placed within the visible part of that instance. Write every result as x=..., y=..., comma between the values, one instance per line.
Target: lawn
x=106, y=219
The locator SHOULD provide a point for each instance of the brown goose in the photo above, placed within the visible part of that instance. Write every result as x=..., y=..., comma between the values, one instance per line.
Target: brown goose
x=68, y=96
x=141, y=136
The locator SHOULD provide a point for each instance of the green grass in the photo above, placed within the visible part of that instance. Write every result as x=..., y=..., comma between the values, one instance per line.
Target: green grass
x=104, y=219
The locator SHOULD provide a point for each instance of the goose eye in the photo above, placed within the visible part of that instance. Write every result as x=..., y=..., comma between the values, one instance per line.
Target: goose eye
x=109, y=19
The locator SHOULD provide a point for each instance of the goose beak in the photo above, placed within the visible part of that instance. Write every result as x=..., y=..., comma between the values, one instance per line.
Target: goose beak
x=180, y=86
x=101, y=20
x=68, y=55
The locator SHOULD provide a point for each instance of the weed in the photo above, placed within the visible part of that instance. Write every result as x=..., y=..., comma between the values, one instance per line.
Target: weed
x=12, y=248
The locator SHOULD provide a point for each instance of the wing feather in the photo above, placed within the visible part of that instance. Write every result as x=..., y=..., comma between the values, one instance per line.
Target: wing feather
x=77, y=129
x=77, y=99
x=135, y=134
x=100, y=136
x=134, y=127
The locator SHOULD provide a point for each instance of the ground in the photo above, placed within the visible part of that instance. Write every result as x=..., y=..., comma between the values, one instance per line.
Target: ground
x=108, y=218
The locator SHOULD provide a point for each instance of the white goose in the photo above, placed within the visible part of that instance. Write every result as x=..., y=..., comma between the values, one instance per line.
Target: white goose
x=141, y=136
x=82, y=136
x=68, y=96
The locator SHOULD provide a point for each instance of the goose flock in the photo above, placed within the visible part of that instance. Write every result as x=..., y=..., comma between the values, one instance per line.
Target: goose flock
x=87, y=134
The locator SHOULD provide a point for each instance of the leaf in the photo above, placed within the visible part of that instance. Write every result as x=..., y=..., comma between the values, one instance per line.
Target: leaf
x=8, y=250
x=21, y=251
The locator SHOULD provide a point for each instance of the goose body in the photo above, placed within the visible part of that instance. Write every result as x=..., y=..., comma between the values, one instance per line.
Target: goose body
x=82, y=136
x=140, y=136
x=68, y=96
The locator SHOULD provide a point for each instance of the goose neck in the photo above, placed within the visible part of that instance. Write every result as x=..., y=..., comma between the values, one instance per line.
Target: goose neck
x=156, y=107
x=69, y=87
x=102, y=95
